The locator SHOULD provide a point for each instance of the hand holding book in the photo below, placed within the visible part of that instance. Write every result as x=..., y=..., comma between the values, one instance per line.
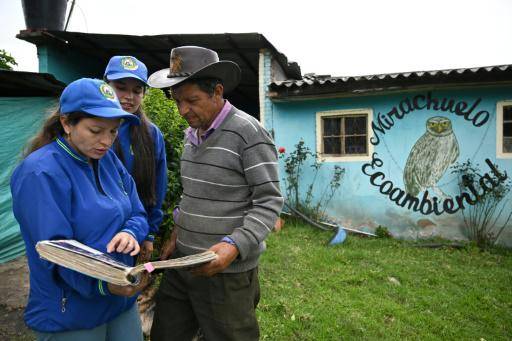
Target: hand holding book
x=130, y=290
x=79, y=257
x=226, y=254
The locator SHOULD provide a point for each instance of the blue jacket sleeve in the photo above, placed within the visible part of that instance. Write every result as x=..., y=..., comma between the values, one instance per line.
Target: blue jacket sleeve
x=155, y=214
x=42, y=206
x=137, y=224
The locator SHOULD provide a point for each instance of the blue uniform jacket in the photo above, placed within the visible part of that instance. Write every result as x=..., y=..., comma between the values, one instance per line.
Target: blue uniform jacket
x=155, y=214
x=55, y=196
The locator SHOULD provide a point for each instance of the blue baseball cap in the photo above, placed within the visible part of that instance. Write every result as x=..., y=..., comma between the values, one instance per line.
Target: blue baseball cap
x=126, y=67
x=93, y=97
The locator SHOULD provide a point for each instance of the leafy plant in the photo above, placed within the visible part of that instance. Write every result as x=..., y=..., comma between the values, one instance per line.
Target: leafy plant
x=382, y=232
x=294, y=164
x=164, y=113
x=6, y=60
x=486, y=219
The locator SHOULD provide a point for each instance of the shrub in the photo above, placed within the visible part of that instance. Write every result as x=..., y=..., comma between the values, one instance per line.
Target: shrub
x=485, y=220
x=382, y=232
x=164, y=113
x=293, y=166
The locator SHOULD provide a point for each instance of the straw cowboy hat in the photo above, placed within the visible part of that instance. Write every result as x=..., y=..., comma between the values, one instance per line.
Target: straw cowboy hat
x=193, y=62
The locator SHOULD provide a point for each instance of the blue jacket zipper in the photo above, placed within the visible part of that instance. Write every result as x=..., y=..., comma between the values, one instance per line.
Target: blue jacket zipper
x=63, y=302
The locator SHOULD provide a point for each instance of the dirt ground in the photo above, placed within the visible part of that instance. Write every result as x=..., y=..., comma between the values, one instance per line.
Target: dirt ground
x=14, y=285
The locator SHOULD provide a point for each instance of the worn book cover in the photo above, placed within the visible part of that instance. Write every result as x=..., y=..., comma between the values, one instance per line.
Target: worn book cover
x=79, y=257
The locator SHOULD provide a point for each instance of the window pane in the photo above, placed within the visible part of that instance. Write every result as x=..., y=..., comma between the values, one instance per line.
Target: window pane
x=507, y=113
x=332, y=145
x=355, y=125
x=507, y=129
x=507, y=144
x=355, y=145
x=332, y=126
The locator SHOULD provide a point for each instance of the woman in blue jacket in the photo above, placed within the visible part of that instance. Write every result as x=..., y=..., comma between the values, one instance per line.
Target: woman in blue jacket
x=72, y=186
x=141, y=148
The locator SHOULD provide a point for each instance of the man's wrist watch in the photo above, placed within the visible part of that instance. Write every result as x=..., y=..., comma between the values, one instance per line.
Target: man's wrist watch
x=229, y=241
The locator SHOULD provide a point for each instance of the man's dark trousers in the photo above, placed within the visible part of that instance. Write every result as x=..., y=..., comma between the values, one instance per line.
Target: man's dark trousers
x=223, y=306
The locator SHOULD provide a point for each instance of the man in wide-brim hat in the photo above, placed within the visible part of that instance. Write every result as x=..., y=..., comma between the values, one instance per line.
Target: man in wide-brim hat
x=231, y=201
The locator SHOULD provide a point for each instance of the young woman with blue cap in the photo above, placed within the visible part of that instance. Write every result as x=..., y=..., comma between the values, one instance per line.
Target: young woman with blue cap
x=70, y=185
x=141, y=148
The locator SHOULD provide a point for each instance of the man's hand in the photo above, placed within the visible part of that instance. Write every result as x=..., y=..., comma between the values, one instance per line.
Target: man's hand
x=129, y=290
x=169, y=246
x=226, y=254
x=146, y=251
x=123, y=242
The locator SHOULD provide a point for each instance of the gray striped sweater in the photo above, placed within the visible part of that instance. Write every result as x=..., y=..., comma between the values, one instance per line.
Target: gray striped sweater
x=230, y=188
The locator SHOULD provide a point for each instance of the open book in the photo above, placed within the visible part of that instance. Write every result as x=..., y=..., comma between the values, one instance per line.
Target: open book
x=79, y=257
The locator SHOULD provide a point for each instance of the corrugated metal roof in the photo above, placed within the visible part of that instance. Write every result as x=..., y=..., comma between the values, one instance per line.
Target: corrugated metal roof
x=24, y=84
x=154, y=50
x=242, y=48
x=312, y=84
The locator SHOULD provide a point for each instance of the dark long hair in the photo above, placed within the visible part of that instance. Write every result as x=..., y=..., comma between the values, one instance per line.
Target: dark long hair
x=144, y=167
x=51, y=129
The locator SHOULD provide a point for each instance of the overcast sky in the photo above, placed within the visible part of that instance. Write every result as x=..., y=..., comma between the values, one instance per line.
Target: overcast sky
x=340, y=38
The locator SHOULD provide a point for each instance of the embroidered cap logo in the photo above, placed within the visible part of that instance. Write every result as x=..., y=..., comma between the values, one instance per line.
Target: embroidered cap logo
x=107, y=91
x=129, y=64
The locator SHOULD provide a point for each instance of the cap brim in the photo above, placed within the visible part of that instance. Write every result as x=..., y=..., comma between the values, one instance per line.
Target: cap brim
x=225, y=70
x=120, y=75
x=160, y=80
x=113, y=113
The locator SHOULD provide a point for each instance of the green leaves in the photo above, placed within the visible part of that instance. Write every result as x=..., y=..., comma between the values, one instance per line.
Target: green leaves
x=164, y=113
x=6, y=60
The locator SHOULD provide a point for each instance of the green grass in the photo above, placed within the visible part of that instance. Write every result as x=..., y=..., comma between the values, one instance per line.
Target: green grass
x=311, y=291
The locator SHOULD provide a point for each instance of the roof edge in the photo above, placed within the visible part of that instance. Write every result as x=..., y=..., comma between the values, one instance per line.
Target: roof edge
x=312, y=84
x=41, y=36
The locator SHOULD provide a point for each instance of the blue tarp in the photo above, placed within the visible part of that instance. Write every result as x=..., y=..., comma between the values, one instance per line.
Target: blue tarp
x=20, y=118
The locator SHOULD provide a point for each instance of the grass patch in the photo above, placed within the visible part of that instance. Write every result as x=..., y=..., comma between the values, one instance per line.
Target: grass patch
x=381, y=289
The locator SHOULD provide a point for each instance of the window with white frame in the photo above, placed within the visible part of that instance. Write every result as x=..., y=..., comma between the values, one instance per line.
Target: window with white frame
x=504, y=129
x=344, y=134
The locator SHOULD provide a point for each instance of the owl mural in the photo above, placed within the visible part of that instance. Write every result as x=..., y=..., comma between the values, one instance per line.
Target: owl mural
x=431, y=156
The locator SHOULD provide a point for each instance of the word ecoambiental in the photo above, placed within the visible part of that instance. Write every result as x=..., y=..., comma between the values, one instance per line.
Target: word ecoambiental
x=431, y=204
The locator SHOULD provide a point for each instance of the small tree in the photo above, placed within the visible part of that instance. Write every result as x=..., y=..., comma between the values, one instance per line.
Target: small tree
x=6, y=60
x=293, y=166
x=487, y=218
x=164, y=113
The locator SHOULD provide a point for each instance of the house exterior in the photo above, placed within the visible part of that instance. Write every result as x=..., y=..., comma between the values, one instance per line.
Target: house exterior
x=377, y=127
x=399, y=137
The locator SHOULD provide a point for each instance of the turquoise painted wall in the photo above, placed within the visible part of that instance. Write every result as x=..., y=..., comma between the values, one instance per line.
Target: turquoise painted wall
x=359, y=204
x=68, y=65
